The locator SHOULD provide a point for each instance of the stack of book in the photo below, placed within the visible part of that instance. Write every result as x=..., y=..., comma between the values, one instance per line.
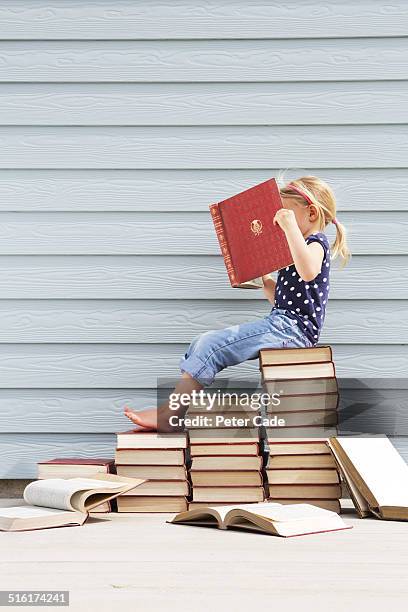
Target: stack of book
x=304, y=396
x=303, y=472
x=76, y=467
x=161, y=460
x=224, y=447
x=225, y=470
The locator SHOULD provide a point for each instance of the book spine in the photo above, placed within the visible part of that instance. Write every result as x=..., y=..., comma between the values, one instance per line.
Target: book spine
x=219, y=229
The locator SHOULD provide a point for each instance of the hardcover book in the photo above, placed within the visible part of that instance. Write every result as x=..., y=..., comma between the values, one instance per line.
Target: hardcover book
x=77, y=467
x=150, y=440
x=268, y=518
x=302, y=476
x=150, y=456
x=280, y=356
x=226, y=478
x=301, y=462
x=306, y=491
x=59, y=502
x=376, y=474
x=153, y=472
x=228, y=494
x=149, y=503
x=252, y=246
x=324, y=369
x=224, y=448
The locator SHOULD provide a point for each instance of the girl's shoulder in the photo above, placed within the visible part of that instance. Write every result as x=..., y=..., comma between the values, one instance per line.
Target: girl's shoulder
x=319, y=237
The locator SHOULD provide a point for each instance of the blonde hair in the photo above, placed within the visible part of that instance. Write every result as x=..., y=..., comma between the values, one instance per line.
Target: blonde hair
x=323, y=198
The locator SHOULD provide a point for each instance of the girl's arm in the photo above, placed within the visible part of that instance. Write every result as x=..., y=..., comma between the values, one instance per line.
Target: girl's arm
x=306, y=257
x=269, y=288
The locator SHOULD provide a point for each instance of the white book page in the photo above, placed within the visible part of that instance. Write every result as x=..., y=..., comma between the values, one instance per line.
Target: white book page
x=290, y=512
x=57, y=492
x=381, y=467
x=25, y=512
x=255, y=508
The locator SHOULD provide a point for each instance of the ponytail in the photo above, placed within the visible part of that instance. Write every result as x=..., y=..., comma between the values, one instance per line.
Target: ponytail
x=339, y=246
x=314, y=191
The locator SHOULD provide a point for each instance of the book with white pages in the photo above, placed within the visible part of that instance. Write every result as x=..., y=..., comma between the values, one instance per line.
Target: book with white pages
x=376, y=474
x=268, y=518
x=58, y=502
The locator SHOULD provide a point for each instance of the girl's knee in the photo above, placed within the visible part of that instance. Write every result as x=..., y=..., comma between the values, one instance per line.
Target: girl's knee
x=199, y=342
x=206, y=341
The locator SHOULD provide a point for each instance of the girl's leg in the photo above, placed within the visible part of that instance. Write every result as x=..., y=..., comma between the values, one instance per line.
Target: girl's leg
x=212, y=351
x=147, y=419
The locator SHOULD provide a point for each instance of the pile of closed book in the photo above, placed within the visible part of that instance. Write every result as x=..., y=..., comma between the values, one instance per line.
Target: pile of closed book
x=226, y=462
x=304, y=397
x=161, y=460
x=78, y=467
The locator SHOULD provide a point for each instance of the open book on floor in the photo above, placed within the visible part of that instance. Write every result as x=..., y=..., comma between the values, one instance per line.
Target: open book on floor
x=376, y=475
x=57, y=502
x=269, y=518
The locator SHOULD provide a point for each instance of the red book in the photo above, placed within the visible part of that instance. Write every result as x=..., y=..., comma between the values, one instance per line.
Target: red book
x=78, y=461
x=251, y=244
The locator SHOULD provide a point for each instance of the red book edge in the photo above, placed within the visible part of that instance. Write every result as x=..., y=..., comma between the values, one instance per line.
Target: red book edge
x=224, y=246
x=293, y=348
x=77, y=461
x=151, y=434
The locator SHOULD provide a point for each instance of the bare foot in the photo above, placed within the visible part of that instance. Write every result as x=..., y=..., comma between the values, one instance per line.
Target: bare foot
x=145, y=419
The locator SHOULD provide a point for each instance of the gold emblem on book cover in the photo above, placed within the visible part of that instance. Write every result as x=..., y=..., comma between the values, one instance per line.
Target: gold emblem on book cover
x=256, y=227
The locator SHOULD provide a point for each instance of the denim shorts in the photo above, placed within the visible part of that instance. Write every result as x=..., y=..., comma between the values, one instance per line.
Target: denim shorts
x=217, y=349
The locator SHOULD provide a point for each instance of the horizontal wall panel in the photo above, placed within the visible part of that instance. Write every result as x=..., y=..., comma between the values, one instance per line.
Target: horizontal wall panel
x=138, y=365
x=19, y=453
x=70, y=410
x=165, y=321
x=153, y=19
x=169, y=233
x=198, y=147
x=356, y=189
x=373, y=411
x=101, y=410
x=158, y=277
x=203, y=103
x=319, y=59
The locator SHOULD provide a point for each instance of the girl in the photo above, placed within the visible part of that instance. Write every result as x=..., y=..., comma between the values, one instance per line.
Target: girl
x=299, y=296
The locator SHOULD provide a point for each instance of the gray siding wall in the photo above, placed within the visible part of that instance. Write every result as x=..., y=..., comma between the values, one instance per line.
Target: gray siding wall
x=120, y=122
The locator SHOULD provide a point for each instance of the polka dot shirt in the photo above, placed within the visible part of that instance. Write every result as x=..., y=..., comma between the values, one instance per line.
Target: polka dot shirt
x=306, y=301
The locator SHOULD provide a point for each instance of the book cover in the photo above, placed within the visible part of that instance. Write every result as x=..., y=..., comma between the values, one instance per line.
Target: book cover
x=252, y=246
x=78, y=461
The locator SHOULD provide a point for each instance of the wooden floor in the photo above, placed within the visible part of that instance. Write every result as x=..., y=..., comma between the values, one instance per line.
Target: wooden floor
x=138, y=562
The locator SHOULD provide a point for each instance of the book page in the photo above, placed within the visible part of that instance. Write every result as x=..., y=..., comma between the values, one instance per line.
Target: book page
x=255, y=508
x=357, y=497
x=25, y=512
x=381, y=467
x=283, y=512
x=57, y=492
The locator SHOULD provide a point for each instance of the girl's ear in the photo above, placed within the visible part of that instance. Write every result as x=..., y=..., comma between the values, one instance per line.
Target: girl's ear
x=312, y=213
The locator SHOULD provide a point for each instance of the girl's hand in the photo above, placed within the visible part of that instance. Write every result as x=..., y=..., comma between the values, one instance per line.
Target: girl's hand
x=285, y=218
x=269, y=288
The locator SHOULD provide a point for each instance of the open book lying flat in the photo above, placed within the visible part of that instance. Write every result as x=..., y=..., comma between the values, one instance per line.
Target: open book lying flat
x=57, y=502
x=268, y=518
